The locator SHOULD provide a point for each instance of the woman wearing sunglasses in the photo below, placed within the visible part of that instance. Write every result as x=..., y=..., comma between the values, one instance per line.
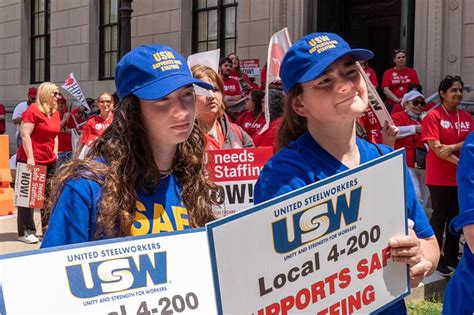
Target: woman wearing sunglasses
x=409, y=123
x=39, y=131
x=444, y=129
x=395, y=80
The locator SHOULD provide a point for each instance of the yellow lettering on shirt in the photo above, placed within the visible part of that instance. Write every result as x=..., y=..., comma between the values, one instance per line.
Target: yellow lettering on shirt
x=178, y=213
x=141, y=220
x=161, y=221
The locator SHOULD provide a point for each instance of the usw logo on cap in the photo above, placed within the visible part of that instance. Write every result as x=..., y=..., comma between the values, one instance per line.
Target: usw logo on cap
x=166, y=61
x=321, y=43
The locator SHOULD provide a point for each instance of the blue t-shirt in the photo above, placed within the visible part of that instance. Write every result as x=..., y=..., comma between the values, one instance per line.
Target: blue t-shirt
x=74, y=216
x=459, y=294
x=304, y=162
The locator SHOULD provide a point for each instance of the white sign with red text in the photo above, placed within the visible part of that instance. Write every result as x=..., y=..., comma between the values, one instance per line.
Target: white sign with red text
x=251, y=67
x=322, y=249
x=30, y=186
x=152, y=274
x=237, y=171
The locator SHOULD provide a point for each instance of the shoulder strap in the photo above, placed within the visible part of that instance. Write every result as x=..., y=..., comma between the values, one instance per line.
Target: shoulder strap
x=378, y=149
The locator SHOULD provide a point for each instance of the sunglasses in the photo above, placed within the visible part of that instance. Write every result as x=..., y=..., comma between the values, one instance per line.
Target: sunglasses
x=452, y=77
x=418, y=103
x=396, y=51
x=56, y=94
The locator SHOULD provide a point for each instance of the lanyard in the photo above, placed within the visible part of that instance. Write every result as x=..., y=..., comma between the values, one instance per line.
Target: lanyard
x=454, y=125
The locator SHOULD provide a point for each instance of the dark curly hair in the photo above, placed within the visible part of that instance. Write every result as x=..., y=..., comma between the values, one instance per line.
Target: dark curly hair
x=121, y=162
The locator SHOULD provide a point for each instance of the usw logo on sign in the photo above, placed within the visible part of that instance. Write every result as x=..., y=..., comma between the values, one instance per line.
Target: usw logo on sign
x=305, y=226
x=92, y=279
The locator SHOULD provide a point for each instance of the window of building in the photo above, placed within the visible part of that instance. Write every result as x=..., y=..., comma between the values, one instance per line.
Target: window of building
x=215, y=25
x=40, y=13
x=108, y=38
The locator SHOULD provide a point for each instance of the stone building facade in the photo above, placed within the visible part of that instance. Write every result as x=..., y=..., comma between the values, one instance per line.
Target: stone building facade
x=442, y=36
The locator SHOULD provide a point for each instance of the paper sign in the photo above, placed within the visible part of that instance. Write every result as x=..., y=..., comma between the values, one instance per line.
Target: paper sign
x=140, y=275
x=73, y=88
x=237, y=171
x=250, y=67
x=30, y=186
x=321, y=249
x=375, y=102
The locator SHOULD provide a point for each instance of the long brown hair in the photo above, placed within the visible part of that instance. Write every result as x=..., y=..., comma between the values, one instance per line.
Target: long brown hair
x=121, y=162
x=292, y=125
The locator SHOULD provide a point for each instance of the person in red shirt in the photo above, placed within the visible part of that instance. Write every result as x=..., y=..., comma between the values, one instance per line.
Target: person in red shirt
x=268, y=137
x=413, y=87
x=96, y=125
x=234, y=98
x=444, y=129
x=409, y=123
x=64, y=137
x=39, y=130
x=253, y=119
x=395, y=80
x=219, y=131
x=370, y=73
x=2, y=119
x=237, y=74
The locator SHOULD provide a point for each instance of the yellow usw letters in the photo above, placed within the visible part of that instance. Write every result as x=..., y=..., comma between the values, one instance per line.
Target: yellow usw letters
x=160, y=221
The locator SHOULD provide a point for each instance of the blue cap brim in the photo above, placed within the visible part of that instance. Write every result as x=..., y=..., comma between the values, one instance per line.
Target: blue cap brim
x=159, y=89
x=321, y=66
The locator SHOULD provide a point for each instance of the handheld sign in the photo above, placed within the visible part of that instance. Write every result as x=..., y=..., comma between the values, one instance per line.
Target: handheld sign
x=321, y=249
x=30, y=186
x=140, y=275
x=375, y=102
x=237, y=171
x=251, y=67
x=72, y=86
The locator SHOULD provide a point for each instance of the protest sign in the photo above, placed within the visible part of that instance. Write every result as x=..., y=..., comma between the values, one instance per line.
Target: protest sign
x=206, y=58
x=141, y=275
x=30, y=186
x=236, y=171
x=375, y=102
x=279, y=43
x=322, y=249
x=73, y=88
x=251, y=67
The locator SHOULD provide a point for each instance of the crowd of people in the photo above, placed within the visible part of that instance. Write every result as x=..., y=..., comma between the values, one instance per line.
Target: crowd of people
x=109, y=173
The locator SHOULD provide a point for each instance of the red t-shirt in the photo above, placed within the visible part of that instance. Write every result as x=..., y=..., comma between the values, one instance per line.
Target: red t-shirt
x=449, y=128
x=42, y=138
x=398, y=80
x=268, y=138
x=232, y=87
x=372, y=127
x=250, y=123
x=409, y=142
x=2, y=121
x=372, y=76
x=94, y=128
x=64, y=139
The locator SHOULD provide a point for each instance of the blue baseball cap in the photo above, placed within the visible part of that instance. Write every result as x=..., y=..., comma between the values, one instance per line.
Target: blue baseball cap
x=309, y=57
x=152, y=72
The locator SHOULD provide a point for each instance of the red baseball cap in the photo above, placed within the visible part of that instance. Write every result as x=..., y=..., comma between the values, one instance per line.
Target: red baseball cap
x=32, y=91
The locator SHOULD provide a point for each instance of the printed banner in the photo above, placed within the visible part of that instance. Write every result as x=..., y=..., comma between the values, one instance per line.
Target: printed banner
x=375, y=102
x=251, y=67
x=319, y=250
x=237, y=171
x=30, y=186
x=140, y=275
x=207, y=58
x=72, y=86
x=279, y=43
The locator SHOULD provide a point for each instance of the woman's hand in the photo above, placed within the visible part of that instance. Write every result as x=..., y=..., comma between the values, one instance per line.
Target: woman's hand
x=444, y=150
x=389, y=134
x=30, y=164
x=407, y=250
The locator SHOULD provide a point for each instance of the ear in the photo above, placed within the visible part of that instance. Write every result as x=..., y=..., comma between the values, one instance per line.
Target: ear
x=298, y=106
